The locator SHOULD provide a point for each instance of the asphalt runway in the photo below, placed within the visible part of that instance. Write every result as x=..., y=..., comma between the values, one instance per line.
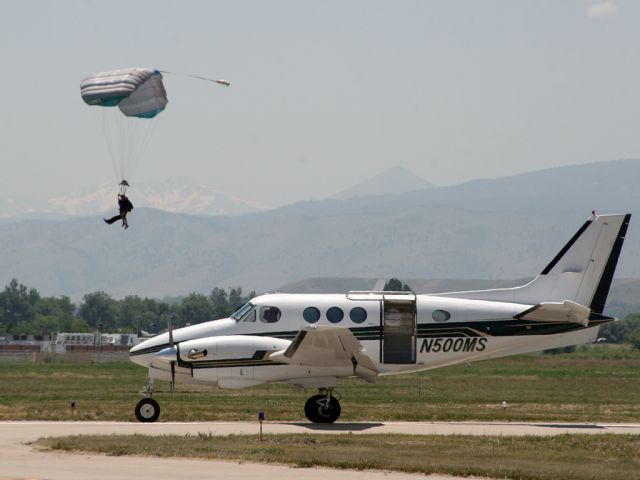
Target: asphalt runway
x=18, y=460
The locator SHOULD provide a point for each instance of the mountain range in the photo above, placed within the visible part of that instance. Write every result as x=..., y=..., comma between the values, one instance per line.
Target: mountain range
x=490, y=229
x=181, y=195
x=176, y=195
x=394, y=180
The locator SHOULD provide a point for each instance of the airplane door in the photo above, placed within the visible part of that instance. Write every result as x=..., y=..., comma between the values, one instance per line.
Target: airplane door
x=399, y=331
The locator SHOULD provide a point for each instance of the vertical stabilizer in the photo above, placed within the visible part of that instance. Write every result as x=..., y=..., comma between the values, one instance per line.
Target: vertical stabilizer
x=581, y=272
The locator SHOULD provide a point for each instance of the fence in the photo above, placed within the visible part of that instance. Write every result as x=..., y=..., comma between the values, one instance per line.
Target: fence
x=9, y=356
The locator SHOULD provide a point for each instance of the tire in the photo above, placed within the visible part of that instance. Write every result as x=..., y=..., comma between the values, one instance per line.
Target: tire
x=147, y=410
x=317, y=412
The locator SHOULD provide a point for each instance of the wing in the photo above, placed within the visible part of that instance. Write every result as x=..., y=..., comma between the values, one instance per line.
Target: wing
x=566, y=311
x=325, y=346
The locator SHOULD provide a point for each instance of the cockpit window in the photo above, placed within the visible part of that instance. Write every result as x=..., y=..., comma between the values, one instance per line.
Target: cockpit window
x=242, y=311
x=249, y=317
x=270, y=314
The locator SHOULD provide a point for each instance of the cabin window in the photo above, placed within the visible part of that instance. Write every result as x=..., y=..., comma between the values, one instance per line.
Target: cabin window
x=270, y=314
x=358, y=315
x=440, y=315
x=311, y=314
x=335, y=314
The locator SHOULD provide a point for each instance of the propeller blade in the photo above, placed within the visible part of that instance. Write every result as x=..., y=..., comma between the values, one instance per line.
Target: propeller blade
x=173, y=350
x=173, y=377
x=170, y=326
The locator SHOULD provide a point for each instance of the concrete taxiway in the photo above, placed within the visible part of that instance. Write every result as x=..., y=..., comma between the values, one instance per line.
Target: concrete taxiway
x=18, y=460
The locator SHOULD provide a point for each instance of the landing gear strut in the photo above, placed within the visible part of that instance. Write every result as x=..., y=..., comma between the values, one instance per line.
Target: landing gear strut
x=323, y=408
x=147, y=410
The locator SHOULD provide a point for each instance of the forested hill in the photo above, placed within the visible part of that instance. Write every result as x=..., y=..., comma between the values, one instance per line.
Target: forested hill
x=486, y=229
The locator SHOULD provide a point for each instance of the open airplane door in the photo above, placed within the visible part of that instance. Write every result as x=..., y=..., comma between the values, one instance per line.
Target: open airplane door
x=399, y=329
x=398, y=324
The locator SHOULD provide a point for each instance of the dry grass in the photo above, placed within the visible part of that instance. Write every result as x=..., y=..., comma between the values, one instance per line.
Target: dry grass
x=570, y=457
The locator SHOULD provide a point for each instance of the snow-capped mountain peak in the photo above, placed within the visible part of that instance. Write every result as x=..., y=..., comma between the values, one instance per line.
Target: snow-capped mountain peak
x=177, y=195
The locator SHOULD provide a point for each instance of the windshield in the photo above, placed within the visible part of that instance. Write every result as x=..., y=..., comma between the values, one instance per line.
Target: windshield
x=239, y=313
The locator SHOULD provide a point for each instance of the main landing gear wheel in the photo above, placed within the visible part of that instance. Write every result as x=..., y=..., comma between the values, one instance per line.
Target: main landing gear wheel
x=322, y=409
x=147, y=410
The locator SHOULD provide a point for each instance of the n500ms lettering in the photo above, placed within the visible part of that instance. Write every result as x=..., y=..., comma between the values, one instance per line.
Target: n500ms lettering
x=436, y=345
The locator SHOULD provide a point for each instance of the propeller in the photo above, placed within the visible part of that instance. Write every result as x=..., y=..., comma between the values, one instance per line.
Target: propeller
x=173, y=362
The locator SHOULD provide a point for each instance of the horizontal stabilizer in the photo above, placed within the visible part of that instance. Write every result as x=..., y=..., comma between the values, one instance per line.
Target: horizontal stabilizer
x=325, y=346
x=560, y=312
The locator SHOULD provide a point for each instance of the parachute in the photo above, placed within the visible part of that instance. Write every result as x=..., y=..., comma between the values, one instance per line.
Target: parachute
x=139, y=95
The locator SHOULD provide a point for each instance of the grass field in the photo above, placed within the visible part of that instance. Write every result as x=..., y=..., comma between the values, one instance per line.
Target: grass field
x=601, y=383
x=568, y=457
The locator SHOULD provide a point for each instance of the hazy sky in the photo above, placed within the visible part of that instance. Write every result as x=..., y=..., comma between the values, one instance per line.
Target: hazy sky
x=325, y=93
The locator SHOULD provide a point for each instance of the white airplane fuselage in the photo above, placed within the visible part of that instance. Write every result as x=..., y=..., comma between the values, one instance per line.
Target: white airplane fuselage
x=312, y=340
x=237, y=351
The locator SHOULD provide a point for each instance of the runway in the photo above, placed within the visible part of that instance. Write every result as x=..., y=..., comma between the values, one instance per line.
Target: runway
x=20, y=461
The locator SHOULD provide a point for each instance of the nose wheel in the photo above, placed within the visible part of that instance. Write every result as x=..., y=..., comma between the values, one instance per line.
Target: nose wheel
x=147, y=410
x=322, y=408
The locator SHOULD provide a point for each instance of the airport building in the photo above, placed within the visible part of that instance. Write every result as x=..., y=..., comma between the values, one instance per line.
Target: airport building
x=67, y=346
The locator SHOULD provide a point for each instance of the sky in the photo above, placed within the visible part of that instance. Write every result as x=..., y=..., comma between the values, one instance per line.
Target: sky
x=324, y=94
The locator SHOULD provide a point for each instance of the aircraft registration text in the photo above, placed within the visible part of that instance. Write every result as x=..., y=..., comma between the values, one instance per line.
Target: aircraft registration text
x=436, y=345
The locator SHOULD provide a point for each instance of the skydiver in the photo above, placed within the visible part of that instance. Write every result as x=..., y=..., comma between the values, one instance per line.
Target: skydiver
x=125, y=206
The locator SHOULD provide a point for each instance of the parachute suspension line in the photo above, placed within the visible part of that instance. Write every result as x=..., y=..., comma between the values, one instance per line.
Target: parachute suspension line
x=122, y=159
x=150, y=127
x=127, y=141
x=109, y=130
x=219, y=81
x=139, y=150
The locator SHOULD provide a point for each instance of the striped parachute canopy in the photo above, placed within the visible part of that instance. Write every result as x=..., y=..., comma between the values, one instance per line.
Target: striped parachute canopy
x=137, y=92
x=140, y=96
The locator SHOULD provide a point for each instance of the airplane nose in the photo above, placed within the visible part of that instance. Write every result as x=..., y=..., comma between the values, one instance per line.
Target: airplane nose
x=142, y=360
x=138, y=355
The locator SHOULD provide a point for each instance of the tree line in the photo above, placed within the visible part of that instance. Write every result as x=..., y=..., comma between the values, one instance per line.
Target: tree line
x=23, y=311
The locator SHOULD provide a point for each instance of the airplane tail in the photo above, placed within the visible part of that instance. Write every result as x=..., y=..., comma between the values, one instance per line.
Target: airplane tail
x=581, y=272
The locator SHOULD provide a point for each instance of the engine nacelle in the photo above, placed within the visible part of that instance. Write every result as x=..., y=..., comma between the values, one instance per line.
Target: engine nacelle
x=230, y=347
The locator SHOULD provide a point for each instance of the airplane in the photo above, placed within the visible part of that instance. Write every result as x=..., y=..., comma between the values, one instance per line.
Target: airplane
x=312, y=340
